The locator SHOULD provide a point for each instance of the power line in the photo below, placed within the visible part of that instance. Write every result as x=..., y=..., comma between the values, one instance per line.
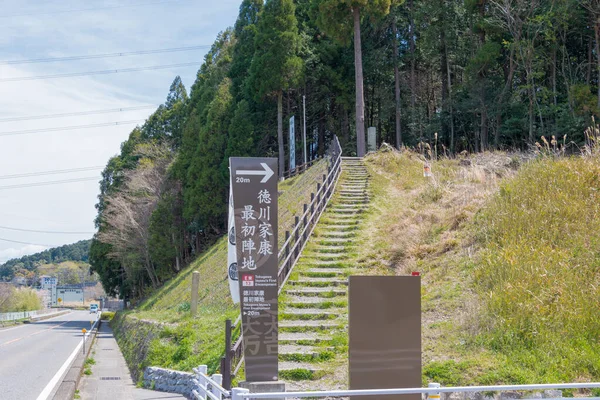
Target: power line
x=53, y=232
x=108, y=55
x=149, y=3
x=59, y=171
x=27, y=185
x=32, y=244
x=104, y=72
x=75, y=114
x=69, y=128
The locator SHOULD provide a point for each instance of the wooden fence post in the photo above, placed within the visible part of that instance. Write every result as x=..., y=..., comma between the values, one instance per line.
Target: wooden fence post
x=312, y=207
x=305, y=208
x=296, y=236
x=195, y=284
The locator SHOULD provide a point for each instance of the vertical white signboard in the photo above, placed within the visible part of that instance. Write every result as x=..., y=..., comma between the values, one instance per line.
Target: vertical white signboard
x=232, y=272
x=292, y=144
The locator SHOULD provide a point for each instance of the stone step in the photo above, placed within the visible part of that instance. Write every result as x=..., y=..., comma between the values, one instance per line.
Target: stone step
x=328, y=249
x=292, y=365
x=291, y=349
x=349, y=206
x=303, y=336
x=353, y=191
x=311, y=257
x=330, y=240
x=342, y=210
x=337, y=234
x=317, y=292
x=347, y=201
x=329, y=281
x=330, y=313
x=318, y=272
x=305, y=301
x=341, y=227
x=310, y=323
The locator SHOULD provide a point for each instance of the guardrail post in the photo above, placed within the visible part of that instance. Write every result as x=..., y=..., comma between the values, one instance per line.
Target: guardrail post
x=226, y=370
x=218, y=378
x=237, y=392
x=202, y=370
x=433, y=395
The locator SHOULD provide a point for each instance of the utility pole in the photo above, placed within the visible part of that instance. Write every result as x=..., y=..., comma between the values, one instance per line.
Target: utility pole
x=304, y=132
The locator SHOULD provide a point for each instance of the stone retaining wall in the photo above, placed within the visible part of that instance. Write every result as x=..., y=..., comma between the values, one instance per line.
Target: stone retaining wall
x=546, y=394
x=168, y=380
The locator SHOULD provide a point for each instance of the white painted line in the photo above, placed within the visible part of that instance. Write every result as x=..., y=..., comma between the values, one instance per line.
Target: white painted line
x=63, y=369
x=32, y=323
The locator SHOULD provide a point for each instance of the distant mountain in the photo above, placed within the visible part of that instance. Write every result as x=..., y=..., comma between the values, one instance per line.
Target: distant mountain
x=78, y=252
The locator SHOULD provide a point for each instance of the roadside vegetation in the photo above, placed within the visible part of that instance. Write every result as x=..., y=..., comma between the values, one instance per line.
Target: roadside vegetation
x=18, y=299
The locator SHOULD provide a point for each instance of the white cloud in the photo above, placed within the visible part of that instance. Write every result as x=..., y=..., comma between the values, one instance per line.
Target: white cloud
x=11, y=253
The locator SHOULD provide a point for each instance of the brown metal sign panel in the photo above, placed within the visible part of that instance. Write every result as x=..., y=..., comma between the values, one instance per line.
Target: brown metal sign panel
x=385, y=333
x=254, y=186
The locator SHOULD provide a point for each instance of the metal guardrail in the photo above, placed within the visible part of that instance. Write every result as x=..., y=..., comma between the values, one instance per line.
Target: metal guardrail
x=288, y=255
x=208, y=387
x=433, y=391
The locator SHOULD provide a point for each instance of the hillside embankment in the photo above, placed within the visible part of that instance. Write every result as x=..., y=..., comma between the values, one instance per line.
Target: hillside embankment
x=507, y=246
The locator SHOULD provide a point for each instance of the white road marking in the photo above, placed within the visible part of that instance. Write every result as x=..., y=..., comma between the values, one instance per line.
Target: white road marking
x=59, y=374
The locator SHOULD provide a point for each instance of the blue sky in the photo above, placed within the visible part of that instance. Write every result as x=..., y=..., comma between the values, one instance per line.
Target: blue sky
x=40, y=29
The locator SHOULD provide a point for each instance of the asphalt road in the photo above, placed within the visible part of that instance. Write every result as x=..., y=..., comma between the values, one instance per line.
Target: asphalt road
x=31, y=354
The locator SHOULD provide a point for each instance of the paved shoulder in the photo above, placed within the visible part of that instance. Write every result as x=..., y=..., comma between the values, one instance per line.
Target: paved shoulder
x=110, y=378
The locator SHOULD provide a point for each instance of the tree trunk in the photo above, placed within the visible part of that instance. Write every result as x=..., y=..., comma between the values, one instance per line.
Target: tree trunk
x=280, y=133
x=505, y=89
x=177, y=265
x=360, y=97
x=531, y=117
x=450, y=108
x=411, y=49
x=597, y=35
x=484, y=129
x=588, y=73
x=554, y=93
x=444, y=75
x=397, y=86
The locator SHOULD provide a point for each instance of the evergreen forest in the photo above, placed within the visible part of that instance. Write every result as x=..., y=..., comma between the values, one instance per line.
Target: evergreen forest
x=451, y=75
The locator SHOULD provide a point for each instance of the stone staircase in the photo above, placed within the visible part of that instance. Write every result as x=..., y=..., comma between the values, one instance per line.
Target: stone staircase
x=313, y=305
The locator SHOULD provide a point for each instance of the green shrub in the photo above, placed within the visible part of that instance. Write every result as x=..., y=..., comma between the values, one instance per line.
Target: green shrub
x=107, y=315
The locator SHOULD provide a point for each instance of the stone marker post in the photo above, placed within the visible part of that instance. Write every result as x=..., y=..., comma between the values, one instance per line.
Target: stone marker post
x=195, y=284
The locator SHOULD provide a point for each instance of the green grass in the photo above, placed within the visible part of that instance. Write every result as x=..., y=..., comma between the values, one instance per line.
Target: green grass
x=539, y=268
x=87, y=366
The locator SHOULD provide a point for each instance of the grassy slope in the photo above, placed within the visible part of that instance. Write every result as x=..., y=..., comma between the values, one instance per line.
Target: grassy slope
x=187, y=342
x=509, y=266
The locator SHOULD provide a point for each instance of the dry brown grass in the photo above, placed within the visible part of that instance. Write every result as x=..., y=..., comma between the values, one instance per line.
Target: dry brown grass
x=416, y=224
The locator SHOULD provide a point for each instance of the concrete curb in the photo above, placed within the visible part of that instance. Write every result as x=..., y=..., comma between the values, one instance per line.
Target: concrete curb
x=66, y=390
